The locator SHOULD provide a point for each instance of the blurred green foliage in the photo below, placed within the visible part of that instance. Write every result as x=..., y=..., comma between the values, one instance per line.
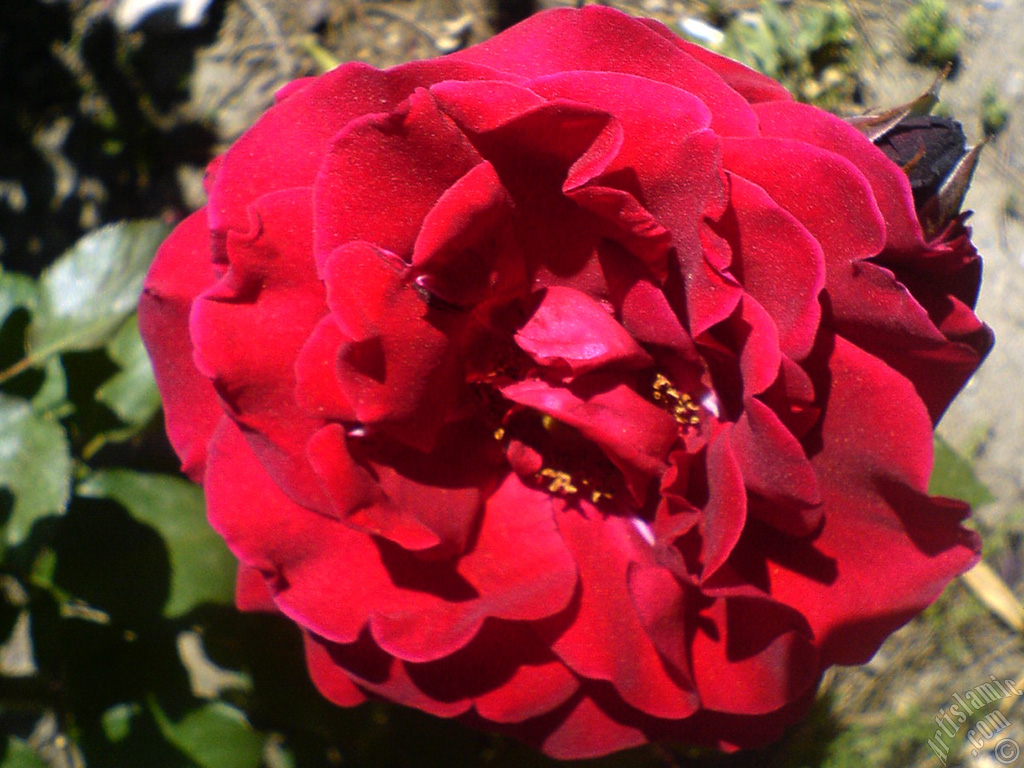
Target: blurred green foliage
x=814, y=54
x=930, y=35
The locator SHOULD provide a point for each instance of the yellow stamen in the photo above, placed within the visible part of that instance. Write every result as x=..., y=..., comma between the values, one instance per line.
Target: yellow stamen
x=682, y=407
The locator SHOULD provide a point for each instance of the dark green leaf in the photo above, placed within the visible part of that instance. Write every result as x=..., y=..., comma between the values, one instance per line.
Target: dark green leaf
x=117, y=721
x=54, y=389
x=953, y=475
x=203, y=569
x=87, y=293
x=35, y=466
x=214, y=735
x=16, y=291
x=131, y=393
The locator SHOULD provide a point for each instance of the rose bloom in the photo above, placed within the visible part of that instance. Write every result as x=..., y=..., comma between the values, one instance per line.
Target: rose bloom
x=579, y=385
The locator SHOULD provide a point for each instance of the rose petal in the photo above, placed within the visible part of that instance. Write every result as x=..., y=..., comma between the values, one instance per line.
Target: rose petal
x=880, y=526
x=248, y=330
x=181, y=271
x=601, y=40
x=778, y=263
x=569, y=327
x=603, y=548
x=802, y=122
x=399, y=360
x=629, y=428
x=409, y=157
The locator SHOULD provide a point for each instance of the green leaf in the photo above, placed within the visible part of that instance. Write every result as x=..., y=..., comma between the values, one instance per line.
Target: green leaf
x=35, y=466
x=89, y=291
x=131, y=393
x=202, y=568
x=953, y=475
x=214, y=735
x=21, y=755
x=54, y=390
x=16, y=291
x=117, y=721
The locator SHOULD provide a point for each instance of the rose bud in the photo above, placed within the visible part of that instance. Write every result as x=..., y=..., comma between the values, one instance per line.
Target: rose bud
x=579, y=385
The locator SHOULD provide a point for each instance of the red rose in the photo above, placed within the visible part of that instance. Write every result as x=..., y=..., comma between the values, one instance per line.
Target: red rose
x=579, y=385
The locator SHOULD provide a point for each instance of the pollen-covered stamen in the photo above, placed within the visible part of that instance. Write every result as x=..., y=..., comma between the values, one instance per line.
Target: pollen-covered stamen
x=684, y=409
x=567, y=464
x=565, y=484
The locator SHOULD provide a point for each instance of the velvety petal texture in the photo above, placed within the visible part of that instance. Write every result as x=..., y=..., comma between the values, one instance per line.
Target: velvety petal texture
x=579, y=385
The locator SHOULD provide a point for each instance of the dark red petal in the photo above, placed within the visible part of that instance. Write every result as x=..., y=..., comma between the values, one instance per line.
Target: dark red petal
x=587, y=730
x=405, y=160
x=778, y=263
x=605, y=40
x=632, y=431
x=399, y=371
x=757, y=337
x=531, y=692
x=752, y=656
x=654, y=170
x=336, y=669
x=332, y=580
x=305, y=557
x=464, y=251
x=775, y=466
x=571, y=328
x=841, y=214
x=663, y=606
x=181, y=272
x=643, y=309
x=249, y=327
x=520, y=570
x=330, y=679
x=725, y=513
x=508, y=673
x=287, y=144
x=420, y=501
x=252, y=592
x=606, y=639
x=356, y=496
x=802, y=122
x=318, y=386
x=880, y=526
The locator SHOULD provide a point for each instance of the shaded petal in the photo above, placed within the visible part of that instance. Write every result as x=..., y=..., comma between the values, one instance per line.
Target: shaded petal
x=880, y=526
x=287, y=144
x=725, y=514
x=252, y=592
x=399, y=370
x=330, y=679
x=520, y=568
x=606, y=639
x=333, y=580
x=507, y=672
x=464, y=251
x=752, y=656
x=181, y=271
x=777, y=262
x=776, y=468
x=629, y=428
x=336, y=669
x=250, y=326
